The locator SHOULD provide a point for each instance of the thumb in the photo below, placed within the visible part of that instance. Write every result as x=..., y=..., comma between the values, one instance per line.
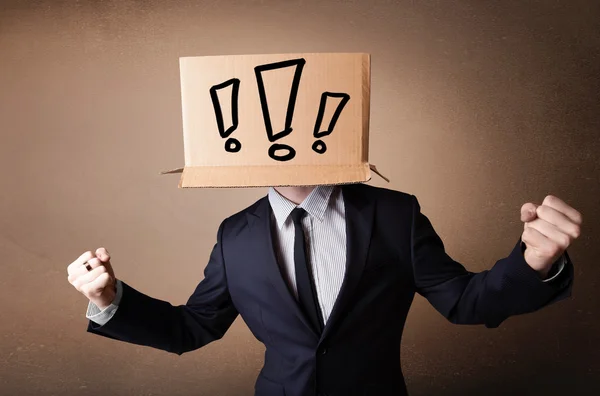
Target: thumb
x=528, y=212
x=103, y=254
x=104, y=257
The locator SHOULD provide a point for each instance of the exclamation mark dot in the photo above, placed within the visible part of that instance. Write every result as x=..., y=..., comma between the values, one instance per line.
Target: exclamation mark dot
x=232, y=145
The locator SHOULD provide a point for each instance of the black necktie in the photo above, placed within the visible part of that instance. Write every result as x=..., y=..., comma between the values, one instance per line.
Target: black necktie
x=307, y=292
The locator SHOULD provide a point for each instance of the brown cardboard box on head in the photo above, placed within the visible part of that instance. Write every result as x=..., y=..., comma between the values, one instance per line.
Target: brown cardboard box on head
x=275, y=120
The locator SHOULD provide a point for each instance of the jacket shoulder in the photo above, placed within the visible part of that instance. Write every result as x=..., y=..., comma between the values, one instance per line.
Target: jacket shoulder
x=383, y=195
x=238, y=221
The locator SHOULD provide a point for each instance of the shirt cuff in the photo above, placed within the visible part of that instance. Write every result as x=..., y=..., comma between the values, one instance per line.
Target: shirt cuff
x=101, y=317
x=560, y=264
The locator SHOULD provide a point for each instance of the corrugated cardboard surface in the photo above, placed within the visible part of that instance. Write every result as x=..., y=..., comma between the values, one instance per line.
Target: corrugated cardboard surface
x=208, y=164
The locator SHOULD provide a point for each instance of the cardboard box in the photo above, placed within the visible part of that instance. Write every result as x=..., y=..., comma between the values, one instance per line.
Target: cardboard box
x=275, y=120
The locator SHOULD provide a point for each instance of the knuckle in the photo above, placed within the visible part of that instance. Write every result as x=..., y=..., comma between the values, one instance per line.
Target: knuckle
x=104, y=278
x=94, y=261
x=102, y=270
x=549, y=199
x=564, y=242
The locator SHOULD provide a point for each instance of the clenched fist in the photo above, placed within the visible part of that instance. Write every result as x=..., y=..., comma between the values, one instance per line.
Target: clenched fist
x=548, y=230
x=96, y=279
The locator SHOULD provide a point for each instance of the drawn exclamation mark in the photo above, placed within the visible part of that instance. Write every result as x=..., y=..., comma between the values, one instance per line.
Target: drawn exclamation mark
x=319, y=146
x=272, y=135
x=232, y=145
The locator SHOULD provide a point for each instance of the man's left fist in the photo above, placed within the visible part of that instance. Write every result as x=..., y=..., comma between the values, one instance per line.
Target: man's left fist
x=548, y=230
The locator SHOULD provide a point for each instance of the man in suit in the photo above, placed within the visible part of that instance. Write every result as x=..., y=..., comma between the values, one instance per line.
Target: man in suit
x=324, y=277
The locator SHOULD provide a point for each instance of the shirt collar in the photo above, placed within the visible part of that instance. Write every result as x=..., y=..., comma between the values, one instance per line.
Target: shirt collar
x=315, y=204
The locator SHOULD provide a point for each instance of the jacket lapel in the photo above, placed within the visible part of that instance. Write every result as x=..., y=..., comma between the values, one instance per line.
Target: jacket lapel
x=359, y=224
x=259, y=222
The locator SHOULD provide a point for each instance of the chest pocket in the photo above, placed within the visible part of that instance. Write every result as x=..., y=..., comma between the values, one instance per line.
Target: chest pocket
x=384, y=260
x=381, y=255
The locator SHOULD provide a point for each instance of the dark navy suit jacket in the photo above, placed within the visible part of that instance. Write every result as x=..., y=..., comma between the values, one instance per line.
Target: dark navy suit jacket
x=392, y=252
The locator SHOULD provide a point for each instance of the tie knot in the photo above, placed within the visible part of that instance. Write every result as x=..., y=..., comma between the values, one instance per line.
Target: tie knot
x=297, y=215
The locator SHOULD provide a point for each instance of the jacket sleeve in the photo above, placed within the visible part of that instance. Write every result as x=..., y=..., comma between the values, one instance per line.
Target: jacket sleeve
x=510, y=287
x=206, y=316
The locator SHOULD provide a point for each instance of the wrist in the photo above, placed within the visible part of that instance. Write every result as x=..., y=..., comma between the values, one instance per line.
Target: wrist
x=543, y=273
x=107, y=298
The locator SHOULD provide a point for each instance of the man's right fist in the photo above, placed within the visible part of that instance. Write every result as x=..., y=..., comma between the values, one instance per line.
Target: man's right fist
x=98, y=282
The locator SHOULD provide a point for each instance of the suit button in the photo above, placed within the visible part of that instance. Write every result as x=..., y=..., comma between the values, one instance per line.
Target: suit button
x=324, y=352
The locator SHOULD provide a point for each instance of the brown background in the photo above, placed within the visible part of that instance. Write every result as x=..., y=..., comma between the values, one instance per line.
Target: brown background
x=477, y=107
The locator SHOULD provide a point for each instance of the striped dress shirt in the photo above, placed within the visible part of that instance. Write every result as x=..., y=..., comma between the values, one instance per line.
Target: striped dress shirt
x=325, y=234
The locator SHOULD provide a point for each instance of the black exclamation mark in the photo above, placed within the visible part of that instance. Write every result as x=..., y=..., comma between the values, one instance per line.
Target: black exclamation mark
x=232, y=145
x=319, y=146
x=287, y=128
